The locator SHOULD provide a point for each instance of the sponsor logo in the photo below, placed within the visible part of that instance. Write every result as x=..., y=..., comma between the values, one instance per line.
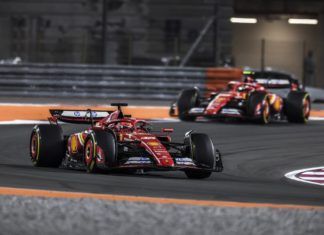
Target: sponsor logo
x=196, y=110
x=185, y=161
x=272, y=81
x=148, y=138
x=231, y=111
x=138, y=160
x=77, y=114
x=153, y=143
x=74, y=144
x=94, y=114
x=159, y=152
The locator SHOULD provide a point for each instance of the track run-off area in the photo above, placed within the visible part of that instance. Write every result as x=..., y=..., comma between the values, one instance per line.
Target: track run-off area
x=256, y=159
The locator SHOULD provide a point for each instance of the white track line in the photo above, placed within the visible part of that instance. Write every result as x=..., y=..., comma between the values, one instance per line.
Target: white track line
x=313, y=173
x=316, y=118
x=292, y=175
x=22, y=122
x=29, y=104
x=311, y=178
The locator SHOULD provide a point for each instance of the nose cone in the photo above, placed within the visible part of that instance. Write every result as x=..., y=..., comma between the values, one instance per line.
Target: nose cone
x=166, y=161
x=161, y=154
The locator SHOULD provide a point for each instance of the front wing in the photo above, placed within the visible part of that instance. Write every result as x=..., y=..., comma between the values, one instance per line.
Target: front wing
x=181, y=163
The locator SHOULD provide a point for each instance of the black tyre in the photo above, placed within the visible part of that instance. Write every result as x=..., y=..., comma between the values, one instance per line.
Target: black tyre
x=255, y=99
x=297, y=106
x=47, y=146
x=187, y=99
x=203, y=154
x=107, y=143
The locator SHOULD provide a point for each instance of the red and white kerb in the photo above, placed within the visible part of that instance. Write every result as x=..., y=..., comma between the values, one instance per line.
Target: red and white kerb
x=311, y=175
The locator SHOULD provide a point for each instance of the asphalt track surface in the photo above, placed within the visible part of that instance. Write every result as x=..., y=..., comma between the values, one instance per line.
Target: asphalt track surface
x=255, y=158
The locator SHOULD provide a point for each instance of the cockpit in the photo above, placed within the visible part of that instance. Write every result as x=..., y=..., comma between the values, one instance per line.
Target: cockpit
x=239, y=87
x=130, y=125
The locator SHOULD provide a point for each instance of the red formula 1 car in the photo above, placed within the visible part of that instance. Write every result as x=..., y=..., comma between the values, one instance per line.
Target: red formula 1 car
x=116, y=141
x=247, y=100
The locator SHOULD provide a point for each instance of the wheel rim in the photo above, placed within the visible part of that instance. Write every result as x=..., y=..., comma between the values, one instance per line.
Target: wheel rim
x=306, y=107
x=89, y=152
x=34, y=148
x=266, y=112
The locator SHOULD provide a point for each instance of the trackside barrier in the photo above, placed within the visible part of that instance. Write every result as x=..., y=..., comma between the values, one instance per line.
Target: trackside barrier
x=107, y=82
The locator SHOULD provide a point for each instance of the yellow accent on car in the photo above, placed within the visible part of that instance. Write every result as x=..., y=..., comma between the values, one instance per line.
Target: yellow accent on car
x=153, y=143
x=38, y=143
x=74, y=144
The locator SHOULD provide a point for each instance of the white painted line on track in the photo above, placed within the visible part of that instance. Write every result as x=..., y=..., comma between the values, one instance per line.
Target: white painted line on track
x=316, y=118
x=314, y=175
x=28, y=104
x=22, y=122
x=312, y=178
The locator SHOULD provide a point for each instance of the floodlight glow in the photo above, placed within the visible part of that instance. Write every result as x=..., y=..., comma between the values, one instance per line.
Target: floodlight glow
x=244, y=20
x=302, y=21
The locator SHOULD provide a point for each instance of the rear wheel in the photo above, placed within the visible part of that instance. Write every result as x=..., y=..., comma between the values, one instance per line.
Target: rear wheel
x=258, y=107
x=188, y=99
x=100, y=150
x=298, y=106
x=203, y=154
x=47, y=146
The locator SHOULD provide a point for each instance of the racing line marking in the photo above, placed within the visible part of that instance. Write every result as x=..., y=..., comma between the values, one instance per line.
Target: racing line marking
x=152, y=200
x=313, y=175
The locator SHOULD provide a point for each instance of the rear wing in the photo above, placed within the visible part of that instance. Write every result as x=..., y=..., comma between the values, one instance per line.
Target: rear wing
x=79, y=116
x=274, y=83
x=271, y=80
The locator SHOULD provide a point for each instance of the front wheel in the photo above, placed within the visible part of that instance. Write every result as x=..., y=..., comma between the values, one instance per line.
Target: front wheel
x=258, y=107
x=203, y=154
x=100, y=151
x=298, y=106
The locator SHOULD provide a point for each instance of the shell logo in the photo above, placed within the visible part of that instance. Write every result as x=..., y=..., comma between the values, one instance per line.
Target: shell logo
x=74, y=144
x=153, y=143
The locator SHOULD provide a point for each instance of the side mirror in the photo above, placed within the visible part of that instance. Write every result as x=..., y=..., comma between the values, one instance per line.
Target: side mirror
x=167, y=130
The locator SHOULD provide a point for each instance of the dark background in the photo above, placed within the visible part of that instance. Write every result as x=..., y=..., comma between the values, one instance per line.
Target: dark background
x=144, y=31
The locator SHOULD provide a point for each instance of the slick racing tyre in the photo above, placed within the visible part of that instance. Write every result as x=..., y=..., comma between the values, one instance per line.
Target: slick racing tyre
x=203, y=154
x=258, y=107
x=100, y=150
x=187, y=99
x=298, y=106
x=47, y=146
